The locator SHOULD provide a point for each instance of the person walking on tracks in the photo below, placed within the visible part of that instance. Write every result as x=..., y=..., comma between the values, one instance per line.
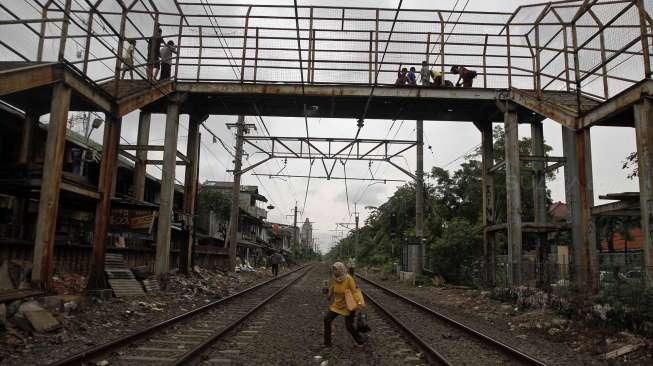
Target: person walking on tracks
x=340, y=284
x=275, y=261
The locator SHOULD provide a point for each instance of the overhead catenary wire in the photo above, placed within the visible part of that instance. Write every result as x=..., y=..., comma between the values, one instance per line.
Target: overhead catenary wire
x=387, y=43
x=231, y=58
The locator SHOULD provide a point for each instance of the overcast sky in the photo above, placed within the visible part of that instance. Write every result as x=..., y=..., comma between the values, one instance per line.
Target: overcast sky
x=327, y=201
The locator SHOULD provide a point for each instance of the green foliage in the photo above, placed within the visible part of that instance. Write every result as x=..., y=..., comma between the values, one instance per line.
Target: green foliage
x=456, y=253
x=629, y=306
x=213, y=200
x=452, y=218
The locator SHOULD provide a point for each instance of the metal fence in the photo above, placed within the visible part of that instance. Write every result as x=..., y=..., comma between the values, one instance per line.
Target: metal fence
x=594, y=47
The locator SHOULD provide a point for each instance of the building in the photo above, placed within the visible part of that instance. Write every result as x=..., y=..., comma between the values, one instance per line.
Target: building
x=280, y=236
x=132, y=222
x=306, y=235
x=253, y=235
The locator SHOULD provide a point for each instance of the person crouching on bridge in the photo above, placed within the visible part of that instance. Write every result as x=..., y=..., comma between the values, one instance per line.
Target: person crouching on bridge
x=465, y=75
x=412, y=77
x=402, y=76
x=340, y=282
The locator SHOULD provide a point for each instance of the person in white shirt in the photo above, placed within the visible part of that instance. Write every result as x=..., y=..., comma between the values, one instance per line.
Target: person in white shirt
x=128, y=58
x=166, y=59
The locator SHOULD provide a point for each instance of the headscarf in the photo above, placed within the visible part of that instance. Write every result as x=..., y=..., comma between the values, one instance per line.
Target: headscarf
x=339, y=271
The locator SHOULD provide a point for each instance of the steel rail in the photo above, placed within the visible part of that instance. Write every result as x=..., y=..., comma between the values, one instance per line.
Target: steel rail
x=192, y=354
x=423, y=344
x=83, y=356
x=483, y=337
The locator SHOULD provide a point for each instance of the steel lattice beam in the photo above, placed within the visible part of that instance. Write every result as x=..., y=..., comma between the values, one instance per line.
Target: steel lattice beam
x=329, y=153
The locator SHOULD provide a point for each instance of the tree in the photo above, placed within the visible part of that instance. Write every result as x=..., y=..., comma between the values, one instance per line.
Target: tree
x=452, y=217
x=456, y=253
x=213, y=200
x=632, y=164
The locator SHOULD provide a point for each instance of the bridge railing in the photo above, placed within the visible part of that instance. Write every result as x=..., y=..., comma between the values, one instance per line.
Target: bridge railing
x=595, y=48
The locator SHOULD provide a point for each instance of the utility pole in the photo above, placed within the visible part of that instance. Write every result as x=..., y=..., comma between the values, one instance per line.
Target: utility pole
x=416, y=260
x=235, y=193
x=356, y=221
x=294, y=225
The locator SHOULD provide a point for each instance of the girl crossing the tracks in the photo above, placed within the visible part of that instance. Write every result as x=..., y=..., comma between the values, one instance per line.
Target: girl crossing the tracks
x=341, y=286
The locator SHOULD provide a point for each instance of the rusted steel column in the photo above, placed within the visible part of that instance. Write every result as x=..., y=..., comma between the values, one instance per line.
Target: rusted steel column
x=235, y=194
x=143, y=138
x=108, y=171
x=190, y=191
x=44, y=23
x=416, y=251
x=46, y=220
x=162, y=262
x=646, y=57
x=579, y=193
x=489, y=209
x=513, y=199
x=644, y=131
x=64, y=31
x=539, y=201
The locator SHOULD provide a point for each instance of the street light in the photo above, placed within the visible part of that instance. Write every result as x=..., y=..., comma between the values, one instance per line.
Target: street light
x=97, y=122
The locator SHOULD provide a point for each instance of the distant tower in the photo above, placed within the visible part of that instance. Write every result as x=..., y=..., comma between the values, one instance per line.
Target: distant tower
x=306, y=235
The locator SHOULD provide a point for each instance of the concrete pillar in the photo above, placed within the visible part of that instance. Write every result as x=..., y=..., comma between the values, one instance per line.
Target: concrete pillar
x=644, y=132
x=416, y=257
x=24, y=157
x=539, y=201
x=513, y=199
x=190, y=192
x=579, y=193
x=31, y=121
x=141, y=155
x=489, y=207
x=46, y=221
x=162, y=263
x=108, y=172
x=235, y=195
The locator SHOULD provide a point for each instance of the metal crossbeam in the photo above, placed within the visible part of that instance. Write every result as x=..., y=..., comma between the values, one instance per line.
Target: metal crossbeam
x=328, y=177
x=329, y=151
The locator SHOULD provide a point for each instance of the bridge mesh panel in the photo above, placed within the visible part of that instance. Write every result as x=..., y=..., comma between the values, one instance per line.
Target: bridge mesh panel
x=346, y=44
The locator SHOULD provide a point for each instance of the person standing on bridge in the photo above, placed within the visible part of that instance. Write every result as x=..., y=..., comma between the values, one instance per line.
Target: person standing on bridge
x=154, y=54
x=339, y=284
x=466, y=76
x=166, y=59
x=128, y=58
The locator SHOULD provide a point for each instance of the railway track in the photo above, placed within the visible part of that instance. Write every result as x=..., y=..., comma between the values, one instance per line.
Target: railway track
x=183, y=339
x=444, y=340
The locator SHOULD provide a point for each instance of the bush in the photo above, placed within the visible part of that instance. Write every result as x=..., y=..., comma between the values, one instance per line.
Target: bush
x=457, y=250
x=626, y=305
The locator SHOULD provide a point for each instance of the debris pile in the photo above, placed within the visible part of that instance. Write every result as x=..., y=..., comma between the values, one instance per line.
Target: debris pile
x=213, y=283
x=42, y=329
